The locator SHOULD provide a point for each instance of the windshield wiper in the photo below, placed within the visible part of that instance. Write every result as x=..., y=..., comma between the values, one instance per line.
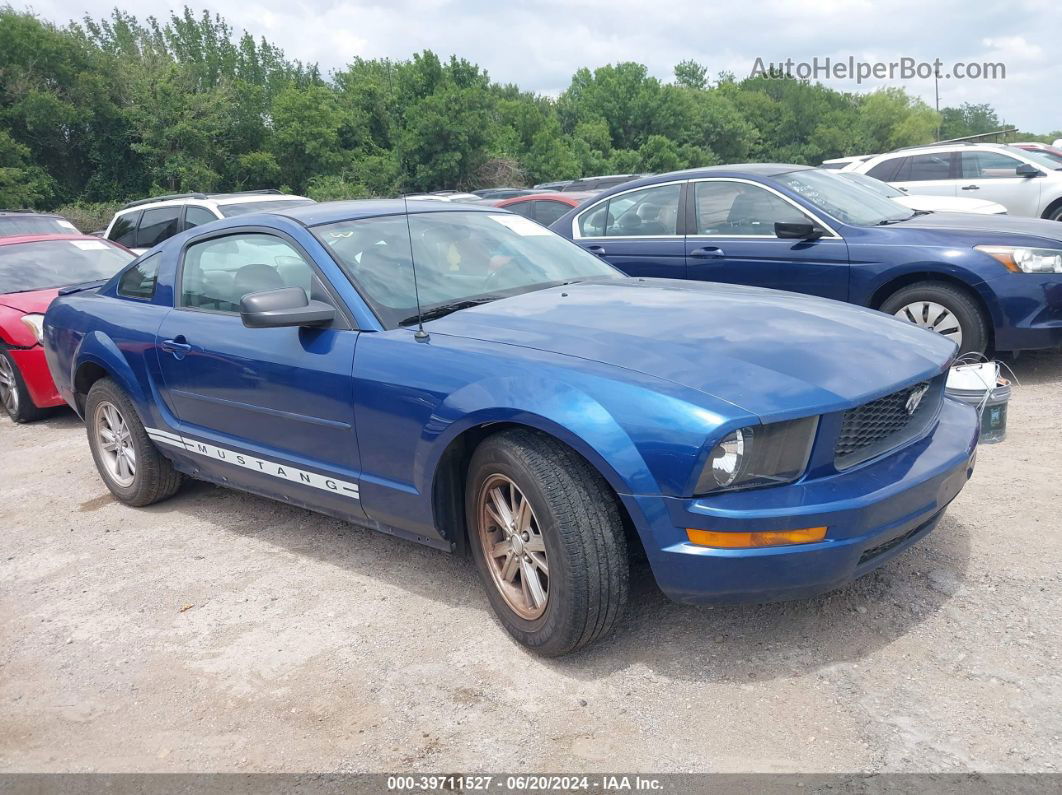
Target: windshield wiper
x=445, y=309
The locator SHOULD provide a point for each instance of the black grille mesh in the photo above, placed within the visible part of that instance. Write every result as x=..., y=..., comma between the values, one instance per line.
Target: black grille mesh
x=880, y=425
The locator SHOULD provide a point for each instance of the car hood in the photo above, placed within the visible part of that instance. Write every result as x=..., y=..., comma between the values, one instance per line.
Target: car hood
x=35, y=302
x=774, y=354
x=950, y=204
x=984, y=228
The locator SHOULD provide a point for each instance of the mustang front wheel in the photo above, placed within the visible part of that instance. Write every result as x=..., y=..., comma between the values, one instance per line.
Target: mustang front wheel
x=548, y=541
x=127, y=460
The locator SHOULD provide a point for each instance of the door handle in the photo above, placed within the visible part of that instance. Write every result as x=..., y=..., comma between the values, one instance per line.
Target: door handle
x=599, y=250
x=971, y=187
x=707, y=252
x=178, y=346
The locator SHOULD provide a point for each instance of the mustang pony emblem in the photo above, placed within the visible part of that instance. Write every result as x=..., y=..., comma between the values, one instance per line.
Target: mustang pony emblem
x=914, y=400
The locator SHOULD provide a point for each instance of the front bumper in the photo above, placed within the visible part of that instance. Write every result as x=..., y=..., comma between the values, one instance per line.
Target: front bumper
x=1030, y=310
x=873, y=512
x=34, y=369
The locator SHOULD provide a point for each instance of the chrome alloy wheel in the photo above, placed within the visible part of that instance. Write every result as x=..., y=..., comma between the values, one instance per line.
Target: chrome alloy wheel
x=934, y=317
x=513, y=546
x=8, y=386
x=115, y=444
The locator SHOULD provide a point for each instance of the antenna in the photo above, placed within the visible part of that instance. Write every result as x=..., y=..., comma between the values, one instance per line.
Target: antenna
x=421, y=335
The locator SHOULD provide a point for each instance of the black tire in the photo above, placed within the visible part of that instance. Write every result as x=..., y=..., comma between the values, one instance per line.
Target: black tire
x=18, y=405
x=584, y=543
x=958, y=302
x=1054, y=214
x=154, y=478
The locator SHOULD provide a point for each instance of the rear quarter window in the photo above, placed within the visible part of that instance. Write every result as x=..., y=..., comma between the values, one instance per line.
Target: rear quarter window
x=139, y=281
x=123, y=230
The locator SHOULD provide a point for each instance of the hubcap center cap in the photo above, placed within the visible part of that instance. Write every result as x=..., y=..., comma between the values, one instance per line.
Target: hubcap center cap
x=518, y=544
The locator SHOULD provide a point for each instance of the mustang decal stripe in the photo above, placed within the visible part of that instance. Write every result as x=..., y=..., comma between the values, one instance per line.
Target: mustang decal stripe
x=271, y=468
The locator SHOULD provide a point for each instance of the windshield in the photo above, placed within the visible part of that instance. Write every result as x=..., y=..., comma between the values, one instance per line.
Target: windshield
x=16, y=224
x=246, y=208
x=460, y=257
x=57, y=263
x=842, y=198
x=876, y=185
x=1040, y=158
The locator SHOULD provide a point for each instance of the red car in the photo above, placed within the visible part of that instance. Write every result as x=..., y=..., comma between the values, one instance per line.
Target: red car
x=1052, y=152
x=545, y=207
x=32, y=269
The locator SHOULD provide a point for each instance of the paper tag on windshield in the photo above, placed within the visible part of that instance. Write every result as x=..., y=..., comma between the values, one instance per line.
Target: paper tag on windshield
x=65, y=224
x=520, y=225
x=90, y=245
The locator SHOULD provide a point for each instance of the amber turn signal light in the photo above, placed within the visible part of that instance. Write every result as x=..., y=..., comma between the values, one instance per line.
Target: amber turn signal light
x=773, y=538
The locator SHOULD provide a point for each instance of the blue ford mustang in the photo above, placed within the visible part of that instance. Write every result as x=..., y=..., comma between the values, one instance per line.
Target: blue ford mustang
x=982, y=281
x=514, y=396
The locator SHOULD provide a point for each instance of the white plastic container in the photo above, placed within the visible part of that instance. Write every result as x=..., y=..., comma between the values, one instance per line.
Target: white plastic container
x=981, y=386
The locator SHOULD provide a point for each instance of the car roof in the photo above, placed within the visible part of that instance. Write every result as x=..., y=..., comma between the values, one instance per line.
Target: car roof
x=730, y=170
x=332, y=212
x=216, y=199
x=24, y=213
x=9, y=241
x=576, y=196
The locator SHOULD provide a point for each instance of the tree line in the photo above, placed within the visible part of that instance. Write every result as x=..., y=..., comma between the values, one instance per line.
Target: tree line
x=112, y=109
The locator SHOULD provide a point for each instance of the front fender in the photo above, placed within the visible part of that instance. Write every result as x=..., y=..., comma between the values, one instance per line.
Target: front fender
x=560, y=410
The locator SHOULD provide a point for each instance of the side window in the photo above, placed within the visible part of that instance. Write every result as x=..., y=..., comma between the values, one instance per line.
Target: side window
x=123, y=230
x=649, y=212
x=158, y=225
x=887, y=169
x=139, y=281
x=197, y=216
x=548, y=211
x=927, y=167
x=739, y=209
x=988, y=165
x=217, y=273
x=592, y=222
x=520, y=208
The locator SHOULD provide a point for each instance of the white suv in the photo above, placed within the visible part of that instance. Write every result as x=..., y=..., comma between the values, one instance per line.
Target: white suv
x=1026, y=183
x=142, y=224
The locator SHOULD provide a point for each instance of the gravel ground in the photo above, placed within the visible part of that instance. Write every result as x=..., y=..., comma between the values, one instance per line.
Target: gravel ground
x=223, y=632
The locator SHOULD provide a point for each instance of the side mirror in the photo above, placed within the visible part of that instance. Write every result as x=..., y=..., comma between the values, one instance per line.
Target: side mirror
x=285, y=307
x=802, y=230
x=1028, y=170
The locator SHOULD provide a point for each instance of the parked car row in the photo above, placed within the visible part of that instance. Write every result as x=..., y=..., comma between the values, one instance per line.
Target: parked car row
x=462, y=377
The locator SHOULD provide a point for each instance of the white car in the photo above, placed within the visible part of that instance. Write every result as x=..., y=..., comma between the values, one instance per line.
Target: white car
x=145, y=223
x=1026, y=183
x=933, y=204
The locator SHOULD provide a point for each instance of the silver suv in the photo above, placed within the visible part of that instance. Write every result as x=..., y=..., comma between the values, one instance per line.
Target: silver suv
x=145, y=223
x=1026, y=183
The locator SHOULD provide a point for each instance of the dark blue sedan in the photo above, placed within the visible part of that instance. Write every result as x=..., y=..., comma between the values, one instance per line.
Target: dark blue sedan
x=513, y=396
x=982, y=281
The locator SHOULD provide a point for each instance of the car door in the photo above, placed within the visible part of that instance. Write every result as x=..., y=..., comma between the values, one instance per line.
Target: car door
x=637, y=231
x=266, y=399
x=930, y=174
x=731, y=239
x=993, y=176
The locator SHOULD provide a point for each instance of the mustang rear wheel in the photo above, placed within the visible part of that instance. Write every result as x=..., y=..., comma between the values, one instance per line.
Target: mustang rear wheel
x=942, y=308
x=548, y=541
x=13, y=393
x=127, y=460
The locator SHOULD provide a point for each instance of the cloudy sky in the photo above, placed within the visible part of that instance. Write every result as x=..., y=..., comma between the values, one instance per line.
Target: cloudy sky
x=538, y=45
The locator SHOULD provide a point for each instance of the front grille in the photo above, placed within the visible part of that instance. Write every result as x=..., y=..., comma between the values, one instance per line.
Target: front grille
x=881, y=425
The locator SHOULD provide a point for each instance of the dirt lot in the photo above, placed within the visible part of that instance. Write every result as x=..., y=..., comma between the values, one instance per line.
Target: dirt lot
x=223, y=632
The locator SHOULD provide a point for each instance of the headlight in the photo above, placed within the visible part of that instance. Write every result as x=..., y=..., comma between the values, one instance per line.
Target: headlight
x=759, y=455
x=35, y=323
x=1026, y=260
